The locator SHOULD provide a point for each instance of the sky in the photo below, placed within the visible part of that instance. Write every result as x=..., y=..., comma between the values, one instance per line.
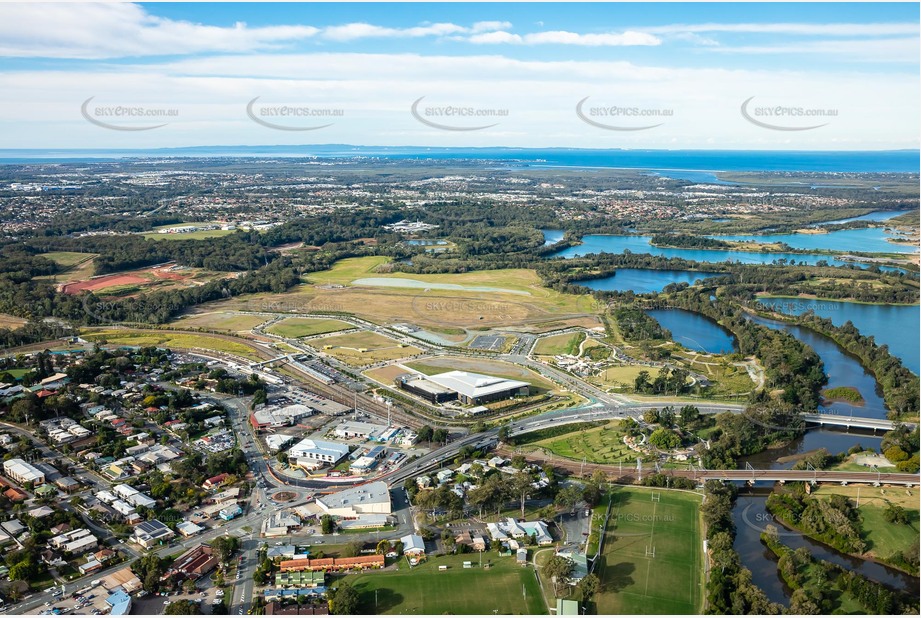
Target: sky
x=785, y=76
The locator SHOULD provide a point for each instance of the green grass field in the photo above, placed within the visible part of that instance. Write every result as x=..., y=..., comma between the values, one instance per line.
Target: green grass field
x=567, y=343
x=67, y=258
x=600, y=445
x=167, y=339
x=885, y=539
x=504, y=588
x=305, y=327
x=635, y=582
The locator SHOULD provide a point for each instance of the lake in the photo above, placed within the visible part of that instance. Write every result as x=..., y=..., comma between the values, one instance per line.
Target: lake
x=841, y=369
x=551, y=237
x=894, y=325
x=695, y=331
x=607, y=243
x=644, y=280
x=870, y=240
x=876, y=215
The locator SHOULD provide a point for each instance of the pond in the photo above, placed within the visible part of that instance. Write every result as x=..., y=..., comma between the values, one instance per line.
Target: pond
x=644, y=280
x=694, y=331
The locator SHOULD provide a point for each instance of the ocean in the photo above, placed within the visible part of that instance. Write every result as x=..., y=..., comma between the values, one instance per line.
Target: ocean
x=693, y=164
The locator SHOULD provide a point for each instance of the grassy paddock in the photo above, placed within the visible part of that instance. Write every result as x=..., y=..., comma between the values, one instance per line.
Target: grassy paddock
x=166, y=339
x=305, y=327
x=504, y=588
x=220, y=321
x=599, y=445
x=567, y=343
x=636, y=583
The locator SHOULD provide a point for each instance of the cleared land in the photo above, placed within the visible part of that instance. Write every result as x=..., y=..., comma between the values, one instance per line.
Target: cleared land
x=504, y=588
x=233, y=322
x=11, y=321
x=599, y=445
x=364, y=347
x=633, y=581
x=166, y=339
x=567, y=343
x=527, y=304
x=197, y=235
x=128, y=282
x=305, y=327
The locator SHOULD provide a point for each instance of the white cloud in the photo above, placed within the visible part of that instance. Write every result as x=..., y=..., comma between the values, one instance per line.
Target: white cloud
x=853, y=29
x=488, y=26
x=351, y=32
x=889, y=50
x=112, y=30
x=495, y=37
x=562, y=37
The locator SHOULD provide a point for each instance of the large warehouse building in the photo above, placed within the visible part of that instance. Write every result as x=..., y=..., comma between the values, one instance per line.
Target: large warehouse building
x=310, y=453
x=470, y=388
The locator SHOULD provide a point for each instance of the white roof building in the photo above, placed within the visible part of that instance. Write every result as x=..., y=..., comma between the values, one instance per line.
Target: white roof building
x=313, y=453
x=21, y=472
x=371, y=498
x=475, y=388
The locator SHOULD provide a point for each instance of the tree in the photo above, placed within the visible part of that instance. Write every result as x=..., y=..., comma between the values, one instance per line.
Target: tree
x=344, y=599
x=352, y=549
x=664, y=439
x=183, y=607
x=558, y=569
x=895, y=514
x=425, y=433
x=519, y=462
x=589, y=585
x=521, y=483
x=327, y=524
x=504, y=433
x=225, y=546
x=568, y=496
x=383, y=547
x=440, y=436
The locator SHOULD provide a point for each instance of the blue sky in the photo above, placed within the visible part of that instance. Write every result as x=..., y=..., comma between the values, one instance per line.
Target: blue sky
x=840, y=76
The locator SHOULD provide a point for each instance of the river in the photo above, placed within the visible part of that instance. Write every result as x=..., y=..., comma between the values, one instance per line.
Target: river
x=751, y=517
x=898, y=326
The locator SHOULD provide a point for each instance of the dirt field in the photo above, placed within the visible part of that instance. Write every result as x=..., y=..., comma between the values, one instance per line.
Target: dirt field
x=101, y=283
x=10, y=321
x=363, y=347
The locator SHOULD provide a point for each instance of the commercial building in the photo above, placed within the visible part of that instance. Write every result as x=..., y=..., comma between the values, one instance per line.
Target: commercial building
x=198, y=561
x=21, y=472
x=310, y=453
x=280, y=523
x=273, y=417
x=431, y=392
x=477, y=388
x=371, y=498
x=230, y=512
x=413, y=547
x=119, y=602
x=355, y=429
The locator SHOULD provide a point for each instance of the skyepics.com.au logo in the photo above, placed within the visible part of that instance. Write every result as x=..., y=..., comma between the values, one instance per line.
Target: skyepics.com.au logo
x=126, y=117
x=621, y=117
x=785, y=117
x=292, y=117
x=456, y=117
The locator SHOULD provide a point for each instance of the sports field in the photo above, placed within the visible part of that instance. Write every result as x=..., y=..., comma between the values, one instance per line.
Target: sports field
x=364, y=347
x=504, y=588
x=652, y=557
x=305, y=327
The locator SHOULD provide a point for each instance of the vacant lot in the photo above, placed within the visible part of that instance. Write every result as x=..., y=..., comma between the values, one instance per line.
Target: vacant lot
x=504, y=588
x=567, y=343
x=621, y=376
x=11, y=321
x=234, y=322
x=651, y=560
x=305, y=327
x=197, y=235
x=364, y=347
